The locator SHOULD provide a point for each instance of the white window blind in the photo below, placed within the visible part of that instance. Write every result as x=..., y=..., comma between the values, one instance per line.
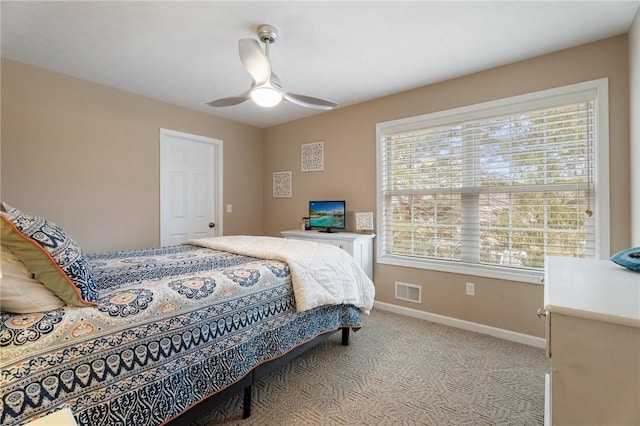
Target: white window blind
x=500, y=191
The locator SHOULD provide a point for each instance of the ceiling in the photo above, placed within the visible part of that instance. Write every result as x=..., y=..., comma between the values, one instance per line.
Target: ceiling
x=186, y=52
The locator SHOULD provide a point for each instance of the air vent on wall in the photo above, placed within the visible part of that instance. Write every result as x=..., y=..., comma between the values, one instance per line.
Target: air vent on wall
x=408, y=292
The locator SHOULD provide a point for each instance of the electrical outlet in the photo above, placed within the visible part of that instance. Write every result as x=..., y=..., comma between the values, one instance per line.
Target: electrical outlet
x=471, y=289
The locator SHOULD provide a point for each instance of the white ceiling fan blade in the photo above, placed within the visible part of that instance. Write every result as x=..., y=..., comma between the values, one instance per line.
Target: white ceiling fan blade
x=309, y=102
x=254, y=60
x=225, y=102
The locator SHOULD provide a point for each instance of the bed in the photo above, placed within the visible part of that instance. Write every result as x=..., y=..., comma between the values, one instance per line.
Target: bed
x=146, y=335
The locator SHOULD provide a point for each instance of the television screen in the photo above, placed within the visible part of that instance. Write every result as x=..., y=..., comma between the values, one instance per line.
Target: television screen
x=328, y=215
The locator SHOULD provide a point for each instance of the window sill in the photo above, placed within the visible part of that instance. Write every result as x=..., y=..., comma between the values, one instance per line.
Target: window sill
x=530, y=277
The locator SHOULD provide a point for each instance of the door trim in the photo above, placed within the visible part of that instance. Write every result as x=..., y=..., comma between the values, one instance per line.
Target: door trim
x=218, y=174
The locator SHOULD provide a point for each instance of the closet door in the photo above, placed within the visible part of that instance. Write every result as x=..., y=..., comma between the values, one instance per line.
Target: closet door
x=190, y=187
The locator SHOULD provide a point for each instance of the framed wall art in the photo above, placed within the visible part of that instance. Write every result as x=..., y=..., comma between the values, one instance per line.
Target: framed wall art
x=313, y=157
x=282, y=184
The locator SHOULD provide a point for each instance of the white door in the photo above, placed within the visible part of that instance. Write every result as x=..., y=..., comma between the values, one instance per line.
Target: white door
x=190, y=187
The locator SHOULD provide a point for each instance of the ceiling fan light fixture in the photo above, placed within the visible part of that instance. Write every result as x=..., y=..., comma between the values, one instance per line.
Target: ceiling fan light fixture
x=266, y=89
x=266, y=96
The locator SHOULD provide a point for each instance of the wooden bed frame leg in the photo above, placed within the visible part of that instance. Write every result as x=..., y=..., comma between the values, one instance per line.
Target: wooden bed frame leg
x=246, y=404
x=345, y=336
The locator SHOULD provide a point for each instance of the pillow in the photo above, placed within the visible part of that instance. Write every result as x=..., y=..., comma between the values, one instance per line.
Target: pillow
x=6, y=208
x=20, y=293
x=629, y=258
x=51, y=255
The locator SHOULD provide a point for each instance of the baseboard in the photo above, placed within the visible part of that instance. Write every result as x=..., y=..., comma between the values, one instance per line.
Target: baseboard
x=525, y=339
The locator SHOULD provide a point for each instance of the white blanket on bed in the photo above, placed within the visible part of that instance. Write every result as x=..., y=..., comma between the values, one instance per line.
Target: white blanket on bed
x=321, y=274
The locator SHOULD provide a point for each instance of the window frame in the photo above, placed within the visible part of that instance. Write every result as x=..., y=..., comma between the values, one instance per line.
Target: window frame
x=596, y=90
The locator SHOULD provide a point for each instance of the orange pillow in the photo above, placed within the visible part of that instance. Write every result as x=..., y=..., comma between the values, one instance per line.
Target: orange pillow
x=51, y=256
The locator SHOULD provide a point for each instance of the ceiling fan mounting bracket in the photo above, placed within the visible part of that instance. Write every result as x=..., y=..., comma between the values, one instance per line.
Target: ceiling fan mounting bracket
x=267, y=33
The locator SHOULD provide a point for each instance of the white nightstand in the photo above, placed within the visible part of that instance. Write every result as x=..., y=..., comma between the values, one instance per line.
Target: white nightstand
x=360, y=246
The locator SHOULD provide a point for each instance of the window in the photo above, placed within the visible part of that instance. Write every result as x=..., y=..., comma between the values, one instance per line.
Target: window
x=491, y=189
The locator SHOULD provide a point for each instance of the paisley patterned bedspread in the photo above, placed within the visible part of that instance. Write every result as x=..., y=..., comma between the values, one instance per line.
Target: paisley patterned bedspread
x=174, y=326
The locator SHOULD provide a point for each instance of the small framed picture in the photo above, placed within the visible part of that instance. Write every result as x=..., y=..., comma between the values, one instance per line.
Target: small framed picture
x=364, y=221
x=282, y=184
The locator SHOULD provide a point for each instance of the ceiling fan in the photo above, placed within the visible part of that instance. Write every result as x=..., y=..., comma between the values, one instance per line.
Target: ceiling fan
x=266, y=89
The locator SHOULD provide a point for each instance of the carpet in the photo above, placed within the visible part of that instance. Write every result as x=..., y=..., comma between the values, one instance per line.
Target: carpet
x=400, y=370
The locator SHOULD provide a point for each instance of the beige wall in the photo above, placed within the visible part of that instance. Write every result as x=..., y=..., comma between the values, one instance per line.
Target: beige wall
x=634, y=125
x=87, y=157
x=350, y=169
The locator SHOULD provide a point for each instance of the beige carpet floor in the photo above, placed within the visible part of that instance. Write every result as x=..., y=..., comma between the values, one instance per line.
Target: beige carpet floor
x=399, y=370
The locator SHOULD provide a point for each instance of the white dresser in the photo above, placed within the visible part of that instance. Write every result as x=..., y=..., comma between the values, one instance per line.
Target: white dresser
x=593, y=340
x=360, y=246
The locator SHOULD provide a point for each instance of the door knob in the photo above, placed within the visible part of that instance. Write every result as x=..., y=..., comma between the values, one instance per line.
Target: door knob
x=212, y=225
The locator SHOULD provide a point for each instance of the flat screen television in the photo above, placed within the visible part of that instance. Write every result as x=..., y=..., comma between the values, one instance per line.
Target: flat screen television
x=328, y=215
